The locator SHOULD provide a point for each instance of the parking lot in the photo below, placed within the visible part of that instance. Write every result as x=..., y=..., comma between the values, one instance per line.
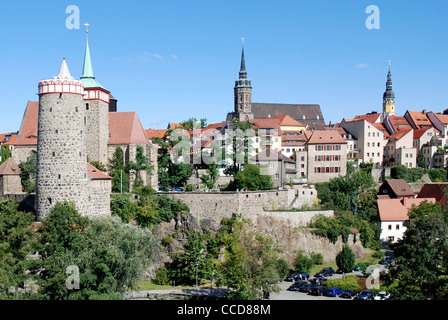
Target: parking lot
x=283, y=294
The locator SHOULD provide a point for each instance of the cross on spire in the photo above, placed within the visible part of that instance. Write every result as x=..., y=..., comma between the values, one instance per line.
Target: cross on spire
x=87, y=27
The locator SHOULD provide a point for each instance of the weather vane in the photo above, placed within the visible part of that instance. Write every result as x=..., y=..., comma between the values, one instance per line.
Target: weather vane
x=87, y=27
x=242, y=40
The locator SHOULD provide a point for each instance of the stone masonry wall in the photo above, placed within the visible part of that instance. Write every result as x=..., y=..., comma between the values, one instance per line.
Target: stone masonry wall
x=97, y=116
x=61, y=159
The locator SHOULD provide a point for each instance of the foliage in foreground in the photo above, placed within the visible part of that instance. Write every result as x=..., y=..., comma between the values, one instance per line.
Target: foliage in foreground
x=108, y=255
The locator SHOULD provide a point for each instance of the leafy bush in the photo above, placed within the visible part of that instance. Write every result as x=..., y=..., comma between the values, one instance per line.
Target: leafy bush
x=349, y=283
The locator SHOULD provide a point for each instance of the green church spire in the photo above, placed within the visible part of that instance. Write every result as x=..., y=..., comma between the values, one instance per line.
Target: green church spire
x=88, y=78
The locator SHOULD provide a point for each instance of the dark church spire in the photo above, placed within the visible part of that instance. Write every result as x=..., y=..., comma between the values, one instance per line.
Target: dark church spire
x=243, y=73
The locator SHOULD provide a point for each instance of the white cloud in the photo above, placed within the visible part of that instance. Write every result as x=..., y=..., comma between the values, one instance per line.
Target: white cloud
x=362, y=65
x=174, y=57
x=148, y=56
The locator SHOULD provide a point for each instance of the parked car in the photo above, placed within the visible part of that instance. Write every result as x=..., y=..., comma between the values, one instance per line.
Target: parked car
x=291, y=277
x=318, y=291
x=333, y=292
x=296, y=285
x=365, y=295
x=317, y=281
x=349, y=294
x=303, y=276
x=385, y=260
x=306, y=287
x=325, y=273
x=382, y=295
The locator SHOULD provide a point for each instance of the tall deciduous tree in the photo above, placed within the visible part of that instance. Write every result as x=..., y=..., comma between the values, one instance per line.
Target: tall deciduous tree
x=140, y=164
x=420, y=267
x=345, y=259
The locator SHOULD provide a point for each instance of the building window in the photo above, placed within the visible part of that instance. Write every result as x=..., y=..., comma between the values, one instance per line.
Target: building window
x=271, y=165
x=397, y=227
x=389, y=227
x=277, y=176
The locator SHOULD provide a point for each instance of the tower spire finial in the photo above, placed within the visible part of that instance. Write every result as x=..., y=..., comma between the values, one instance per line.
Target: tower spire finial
x=243, y=73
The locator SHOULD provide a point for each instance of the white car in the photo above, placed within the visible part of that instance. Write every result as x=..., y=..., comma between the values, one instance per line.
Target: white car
x=382, y=295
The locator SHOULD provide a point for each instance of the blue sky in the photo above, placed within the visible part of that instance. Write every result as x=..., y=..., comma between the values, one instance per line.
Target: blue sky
x=171, y=60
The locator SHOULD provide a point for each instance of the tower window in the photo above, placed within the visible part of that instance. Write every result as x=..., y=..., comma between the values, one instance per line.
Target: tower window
x=49, y=200
x=53, y=154
x=87, y=106
x=76, y=109
x=51, y=109
x=59, y=176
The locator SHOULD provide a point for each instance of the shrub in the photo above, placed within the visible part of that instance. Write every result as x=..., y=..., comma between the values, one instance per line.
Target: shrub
x=349, y=283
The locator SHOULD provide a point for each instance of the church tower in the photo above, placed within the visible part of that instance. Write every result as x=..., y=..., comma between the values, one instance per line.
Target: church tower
x=96, y=104
x=61, y=144
x=242, y=94
x=388, y=97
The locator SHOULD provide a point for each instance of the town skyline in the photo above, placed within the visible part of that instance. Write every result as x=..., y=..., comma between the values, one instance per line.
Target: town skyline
x=191, y=72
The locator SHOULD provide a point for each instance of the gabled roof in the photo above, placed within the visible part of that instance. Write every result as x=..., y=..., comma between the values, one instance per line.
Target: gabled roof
x=398, y=186
x=307, y=114
x=325, y=136
x=9, y=167
x=392, y=210
x=418, y=118
x=398, y=209
x=419, y=132
x=28, y=128
x=435, y=190
x=155, y=133
x=266, y=123
x=287, y=121
x=126, y=128
x=96, y=174
x=370, y=117
x=400, y=133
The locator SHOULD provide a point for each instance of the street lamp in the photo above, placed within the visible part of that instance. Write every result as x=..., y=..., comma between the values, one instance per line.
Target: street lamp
x=197, y=265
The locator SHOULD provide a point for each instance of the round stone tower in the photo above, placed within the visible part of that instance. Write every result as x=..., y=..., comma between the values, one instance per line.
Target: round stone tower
x=61, y=145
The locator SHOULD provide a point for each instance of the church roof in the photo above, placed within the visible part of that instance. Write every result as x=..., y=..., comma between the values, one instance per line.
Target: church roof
x=126, y=128
x=9, y=167
x=28, y=129
x=308, y=114
x=287, y=121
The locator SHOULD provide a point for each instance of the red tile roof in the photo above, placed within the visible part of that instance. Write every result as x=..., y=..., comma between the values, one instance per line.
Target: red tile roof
x=9, y=167
x=28, y=129
x=398, y=209
x=286, y=120
x=326, y=136
x=434, y=190
x=126, y=128
x=392, y=210
x=155, y=133
x=96, y=174
x=371, y=117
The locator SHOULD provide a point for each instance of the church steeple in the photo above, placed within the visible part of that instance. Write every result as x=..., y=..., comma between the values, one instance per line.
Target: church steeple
x=243, y=92
x=243, y=72
x=87, y=77
x=389, y=96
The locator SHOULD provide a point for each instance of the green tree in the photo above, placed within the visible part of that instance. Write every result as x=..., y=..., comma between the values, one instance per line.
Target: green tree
x=345, y=260
x=250, y=261
x=251, y=179
x=16, y=238
x=140, y=164
x=184, y=271
x=302, y=262
x=420, y=263
x=210, y=178
x=110, y=255
x=118, y=171
x=28, y=173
